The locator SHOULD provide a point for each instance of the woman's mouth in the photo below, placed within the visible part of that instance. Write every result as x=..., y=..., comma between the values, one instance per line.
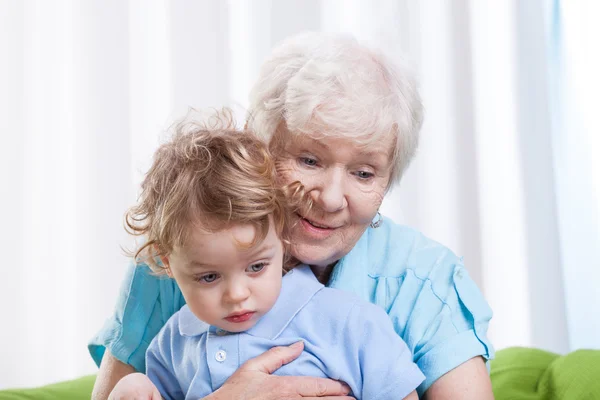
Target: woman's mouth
x=316, y=229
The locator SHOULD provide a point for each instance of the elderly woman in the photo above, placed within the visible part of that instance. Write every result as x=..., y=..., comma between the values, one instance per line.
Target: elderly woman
x=344, y=121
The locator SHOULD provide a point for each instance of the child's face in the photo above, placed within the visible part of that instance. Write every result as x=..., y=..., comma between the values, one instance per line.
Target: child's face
x=224, y=284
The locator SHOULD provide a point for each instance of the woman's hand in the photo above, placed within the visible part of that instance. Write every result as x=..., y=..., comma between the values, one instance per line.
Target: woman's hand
x=135, y=386
x=253, y=380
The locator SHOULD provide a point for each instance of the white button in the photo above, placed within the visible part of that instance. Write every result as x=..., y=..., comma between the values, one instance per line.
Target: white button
x=220, y=356
x=221, y=332
x=459, y=274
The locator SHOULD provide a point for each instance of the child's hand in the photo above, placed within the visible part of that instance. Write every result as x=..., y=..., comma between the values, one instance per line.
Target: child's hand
x=135, y=386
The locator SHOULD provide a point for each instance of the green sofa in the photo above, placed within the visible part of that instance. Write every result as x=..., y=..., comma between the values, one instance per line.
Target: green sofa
x=517, y=374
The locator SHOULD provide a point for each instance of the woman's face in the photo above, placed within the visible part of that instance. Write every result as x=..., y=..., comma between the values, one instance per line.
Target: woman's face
x=346, y=181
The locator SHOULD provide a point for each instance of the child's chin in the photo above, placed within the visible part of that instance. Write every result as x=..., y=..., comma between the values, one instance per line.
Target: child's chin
x=240, y=327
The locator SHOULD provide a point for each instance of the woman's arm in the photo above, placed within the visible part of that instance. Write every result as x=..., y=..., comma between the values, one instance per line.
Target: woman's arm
x=111, y=371
x=412, y=396
x=253, y=380
x=468, y=381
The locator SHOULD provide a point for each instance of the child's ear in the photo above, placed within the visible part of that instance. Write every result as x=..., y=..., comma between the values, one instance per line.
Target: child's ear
x=165, y=262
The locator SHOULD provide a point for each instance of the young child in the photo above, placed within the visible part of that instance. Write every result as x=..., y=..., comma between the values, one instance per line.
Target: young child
x=215, y=221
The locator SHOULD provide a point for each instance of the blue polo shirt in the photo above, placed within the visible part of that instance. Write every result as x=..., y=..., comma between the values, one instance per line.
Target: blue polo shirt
x=345, y=338
x=425, y=289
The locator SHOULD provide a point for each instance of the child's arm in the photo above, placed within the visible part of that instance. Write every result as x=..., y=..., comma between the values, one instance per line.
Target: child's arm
x=135, y=386
x=159, y=367
x=110, y=373
x=387, y=370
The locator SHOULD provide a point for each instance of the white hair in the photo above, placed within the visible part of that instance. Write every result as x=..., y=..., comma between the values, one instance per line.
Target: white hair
x=332, y=85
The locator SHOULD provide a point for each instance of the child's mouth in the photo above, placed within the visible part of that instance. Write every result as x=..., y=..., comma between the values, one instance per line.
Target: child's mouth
x=240, y=317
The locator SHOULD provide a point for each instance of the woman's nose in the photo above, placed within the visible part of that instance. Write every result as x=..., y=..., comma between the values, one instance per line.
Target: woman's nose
x=329, y=193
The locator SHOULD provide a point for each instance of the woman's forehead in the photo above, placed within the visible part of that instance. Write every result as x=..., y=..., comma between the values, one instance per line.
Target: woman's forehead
x=367, y=144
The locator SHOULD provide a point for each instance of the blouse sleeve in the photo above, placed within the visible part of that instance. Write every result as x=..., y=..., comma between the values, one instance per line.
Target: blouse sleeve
x=442, y=316
x=145, y=304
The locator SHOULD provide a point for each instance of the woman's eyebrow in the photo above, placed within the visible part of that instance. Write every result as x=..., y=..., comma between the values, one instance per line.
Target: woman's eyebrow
x=375, y=157
x=308, y=142
x=378, y=156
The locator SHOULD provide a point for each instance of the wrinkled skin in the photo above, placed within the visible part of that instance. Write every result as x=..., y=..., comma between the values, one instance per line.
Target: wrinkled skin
x=344, y=182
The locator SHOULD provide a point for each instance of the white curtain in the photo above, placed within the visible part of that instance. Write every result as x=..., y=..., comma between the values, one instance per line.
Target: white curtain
x=504, y=175
x=575, y=61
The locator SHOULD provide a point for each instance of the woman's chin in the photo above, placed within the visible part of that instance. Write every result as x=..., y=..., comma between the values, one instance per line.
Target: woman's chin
x=313, y=255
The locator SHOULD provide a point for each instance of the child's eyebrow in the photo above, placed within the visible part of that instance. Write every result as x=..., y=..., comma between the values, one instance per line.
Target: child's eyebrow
x=259, y=250
x=196, y=264
x=264, y=249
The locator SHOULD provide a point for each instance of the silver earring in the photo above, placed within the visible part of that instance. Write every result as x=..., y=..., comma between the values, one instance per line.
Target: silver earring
x=377, y=224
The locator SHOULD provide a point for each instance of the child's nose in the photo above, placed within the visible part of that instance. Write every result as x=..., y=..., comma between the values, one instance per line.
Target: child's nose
x=237, y=292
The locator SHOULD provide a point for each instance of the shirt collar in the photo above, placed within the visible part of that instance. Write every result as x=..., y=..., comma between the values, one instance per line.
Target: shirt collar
x=189, y=324
x=297, y=288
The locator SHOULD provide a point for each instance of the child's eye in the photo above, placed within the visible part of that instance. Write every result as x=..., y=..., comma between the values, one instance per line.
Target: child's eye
x=256, y=267
x=208, y=278
x=308, y=161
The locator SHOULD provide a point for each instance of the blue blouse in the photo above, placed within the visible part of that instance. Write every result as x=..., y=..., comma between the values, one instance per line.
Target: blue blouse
x=425, y=289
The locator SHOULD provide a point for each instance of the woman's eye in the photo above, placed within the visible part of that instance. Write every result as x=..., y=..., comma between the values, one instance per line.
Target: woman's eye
x=257, y=267
x=208, y=278
x=364, y=174
x=311, y=162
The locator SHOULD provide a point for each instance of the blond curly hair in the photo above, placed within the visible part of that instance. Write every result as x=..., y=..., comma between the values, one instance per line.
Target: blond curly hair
x=209, y=175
